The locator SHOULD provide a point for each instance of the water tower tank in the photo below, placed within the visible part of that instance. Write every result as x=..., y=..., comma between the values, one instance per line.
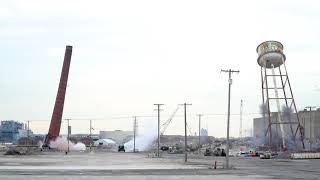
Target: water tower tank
x=270, y=52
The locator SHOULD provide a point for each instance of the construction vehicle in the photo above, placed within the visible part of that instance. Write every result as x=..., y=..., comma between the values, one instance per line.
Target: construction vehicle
x=121, y=148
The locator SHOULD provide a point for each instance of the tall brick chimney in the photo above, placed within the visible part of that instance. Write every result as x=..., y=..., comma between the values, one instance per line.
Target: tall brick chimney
x=54, y=129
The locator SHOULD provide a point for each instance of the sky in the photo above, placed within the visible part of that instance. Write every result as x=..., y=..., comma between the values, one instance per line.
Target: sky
x=129, y=55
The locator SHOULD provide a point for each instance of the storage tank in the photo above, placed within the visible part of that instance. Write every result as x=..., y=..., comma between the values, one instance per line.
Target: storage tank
x=270, y=52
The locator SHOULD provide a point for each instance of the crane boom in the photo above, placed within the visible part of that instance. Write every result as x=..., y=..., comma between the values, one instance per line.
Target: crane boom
x=166, y=124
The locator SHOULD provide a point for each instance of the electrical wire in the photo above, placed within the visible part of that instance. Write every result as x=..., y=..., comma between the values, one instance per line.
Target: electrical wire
x=141, y=116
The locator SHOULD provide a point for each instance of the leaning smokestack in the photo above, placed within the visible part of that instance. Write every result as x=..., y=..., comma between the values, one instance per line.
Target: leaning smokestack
x=55, y=124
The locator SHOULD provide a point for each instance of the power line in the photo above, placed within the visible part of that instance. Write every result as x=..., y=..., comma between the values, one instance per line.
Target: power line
x=142, y=116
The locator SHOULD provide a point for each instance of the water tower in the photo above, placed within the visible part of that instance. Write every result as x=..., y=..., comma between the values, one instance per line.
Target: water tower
x=279, y=108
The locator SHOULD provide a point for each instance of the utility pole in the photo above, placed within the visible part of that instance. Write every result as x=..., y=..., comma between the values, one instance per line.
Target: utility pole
x=69, y=131
x=305, y=111
x=310, y=113
x=28, y=134
x=228, y=120
x=158, y=109
x=90, y=135
x=134, y=133
x=240, y=130
x=185, y=131
x=199, y=115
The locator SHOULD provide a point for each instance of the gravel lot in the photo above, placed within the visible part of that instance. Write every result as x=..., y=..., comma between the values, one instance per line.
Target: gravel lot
x=106, y=165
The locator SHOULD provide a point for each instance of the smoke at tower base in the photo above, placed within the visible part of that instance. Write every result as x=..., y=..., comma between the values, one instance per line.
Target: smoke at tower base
x=61, y=144
x=147, y=133
x=290, y=139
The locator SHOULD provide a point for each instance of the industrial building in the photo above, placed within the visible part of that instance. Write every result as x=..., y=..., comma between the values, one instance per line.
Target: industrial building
x=117, y=135
x=11, y=131
x=310, y=121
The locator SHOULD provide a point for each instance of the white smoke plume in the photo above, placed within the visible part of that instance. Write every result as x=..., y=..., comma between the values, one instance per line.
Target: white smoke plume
x=147, y=132
x=289, y=131
x=40, y=144
x=61, y=144
x=293, y=142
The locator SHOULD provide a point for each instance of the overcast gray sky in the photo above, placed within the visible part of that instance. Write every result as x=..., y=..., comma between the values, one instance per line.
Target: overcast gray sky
x=129, y=55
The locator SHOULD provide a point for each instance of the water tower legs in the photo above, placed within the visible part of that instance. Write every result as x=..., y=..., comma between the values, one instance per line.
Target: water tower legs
x=273, y=115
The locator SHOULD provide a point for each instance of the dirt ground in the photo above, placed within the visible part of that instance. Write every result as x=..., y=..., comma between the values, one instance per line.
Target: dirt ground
x=107, y=165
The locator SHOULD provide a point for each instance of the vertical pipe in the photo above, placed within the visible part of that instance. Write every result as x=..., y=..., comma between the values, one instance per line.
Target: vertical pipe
x=185, y=133
x=199, y=132
x=228, y=121
x=134, y=133
x=90, y=135
x=263, y=102
x=310, y=139
x=304, y=122
x=68, y=135
x=28, y=134
x=279, y=108
x=268, y=103
x=158, y=130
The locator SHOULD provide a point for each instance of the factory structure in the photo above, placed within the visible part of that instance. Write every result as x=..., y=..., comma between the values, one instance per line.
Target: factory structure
x=11, y=131
x=309, y=120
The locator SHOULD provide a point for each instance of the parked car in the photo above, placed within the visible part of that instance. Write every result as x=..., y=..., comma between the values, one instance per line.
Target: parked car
x=243, y=154
x=164, y=148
